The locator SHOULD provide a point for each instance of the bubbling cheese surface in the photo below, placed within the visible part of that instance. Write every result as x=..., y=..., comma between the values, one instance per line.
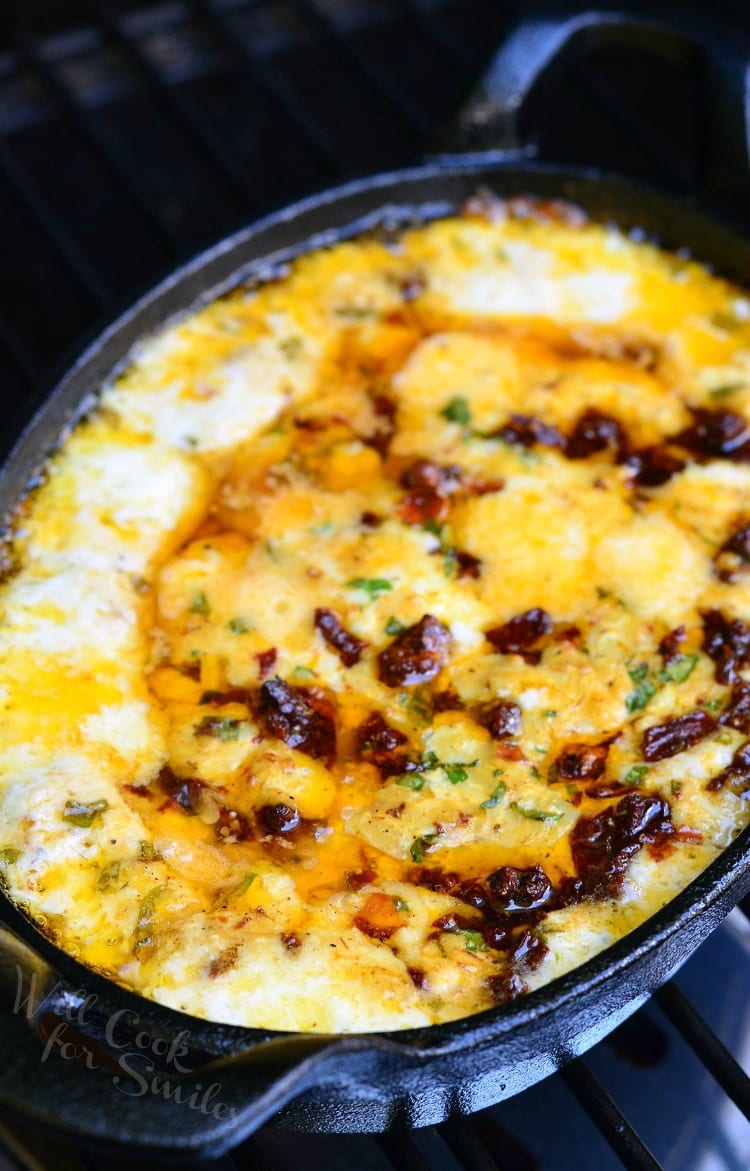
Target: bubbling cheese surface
x=375, y=651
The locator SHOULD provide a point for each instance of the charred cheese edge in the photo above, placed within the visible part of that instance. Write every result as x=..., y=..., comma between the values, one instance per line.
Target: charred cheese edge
x=374, y=651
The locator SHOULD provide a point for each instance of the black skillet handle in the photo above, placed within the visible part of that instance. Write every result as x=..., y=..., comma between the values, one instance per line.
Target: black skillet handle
x=543, y=44
x=103, y=1068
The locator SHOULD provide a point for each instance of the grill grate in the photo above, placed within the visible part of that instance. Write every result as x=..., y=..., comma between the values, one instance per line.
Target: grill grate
x=133, y=135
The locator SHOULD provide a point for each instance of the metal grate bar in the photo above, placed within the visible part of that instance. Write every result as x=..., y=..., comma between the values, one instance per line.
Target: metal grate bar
x=382, y=84
x=207, y=145
x=64, y=244
x=273, y=84
x=608, y=1118
x=105, y=146
x=705, y=1044
x=461, y=1139
x=401, y=1151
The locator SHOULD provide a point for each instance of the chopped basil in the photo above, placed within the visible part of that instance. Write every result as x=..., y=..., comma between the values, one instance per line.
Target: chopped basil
x=109, y=876
x=413, y=781
x=635, y=775
x=374, y=586
x=393, y=626
x=147, y=852
x=83, y=813
x=457, y=411
x=238, y=626
x=550, y=713
x=473, y=940
x=303, y=672
x=725, y=320
x=9, y=856
x=420, y=845
x=675, y=788
x=641, y=696
x=713, y=705
x=322, y=530
x=536, y=814
x=456, y=772
x=726, y=390
x=357, y=313
x=434, y=526
x=143, y=937
x=680, y=669
x=199, y=603
x=639, y=672
x=222, y=727
x=401, y=904
x=495, y=796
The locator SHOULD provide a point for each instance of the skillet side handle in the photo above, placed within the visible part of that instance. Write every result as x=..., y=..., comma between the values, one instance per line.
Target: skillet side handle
x=91, y=1067
x=542, y=45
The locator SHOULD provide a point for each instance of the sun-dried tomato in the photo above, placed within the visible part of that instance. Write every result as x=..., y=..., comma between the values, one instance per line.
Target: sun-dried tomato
x=603, y=845
x=582, y=761
x=733, y=558
x=348, y=647
x=727, y=642
x=663, y=740
x=716, y=434
x=300, y=718
x=384, y=408
x=737, y=776
x=669, y=647
x=513, y=890
x=381, y=745
x=595, y=432
x=416, y=655
x=653, y=466
x=503, y=719
x=468, y=565
x=528, y=431
x=521, y=634
x=737, y=714
x=505, y=986
x=280, y=819
x=429, y=488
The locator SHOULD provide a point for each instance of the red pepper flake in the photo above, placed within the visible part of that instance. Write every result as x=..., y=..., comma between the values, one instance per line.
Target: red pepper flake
x=416, y=655
x=348, y=647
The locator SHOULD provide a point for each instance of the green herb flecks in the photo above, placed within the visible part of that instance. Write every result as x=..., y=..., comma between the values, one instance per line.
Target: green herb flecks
x=641, y=696
x=8, y=857
x=143, y=927
x=536, y=814
x=495, y=796
x=243, y=885
x=109, y=876
x=83, y=813
x=199, y=603
x=473, y=940
x=221, y=727
x=727, y=389
x=679, y=669
x=393, y=626
x=414, y=781
x=372, y=586
x=238, y=626
x=420, y=846
x=635, y=775
x=457, y=411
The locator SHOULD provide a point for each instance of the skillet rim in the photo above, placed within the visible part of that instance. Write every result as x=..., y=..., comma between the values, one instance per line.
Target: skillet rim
x=28, y=455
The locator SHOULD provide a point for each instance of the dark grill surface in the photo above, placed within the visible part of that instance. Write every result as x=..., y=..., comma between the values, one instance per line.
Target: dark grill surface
x=131, y=136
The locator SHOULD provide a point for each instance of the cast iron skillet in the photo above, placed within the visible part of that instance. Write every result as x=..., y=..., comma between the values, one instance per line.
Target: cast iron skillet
x=242, y=1077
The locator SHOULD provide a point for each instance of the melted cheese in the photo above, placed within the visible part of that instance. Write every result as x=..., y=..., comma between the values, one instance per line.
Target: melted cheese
x=225, y=489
